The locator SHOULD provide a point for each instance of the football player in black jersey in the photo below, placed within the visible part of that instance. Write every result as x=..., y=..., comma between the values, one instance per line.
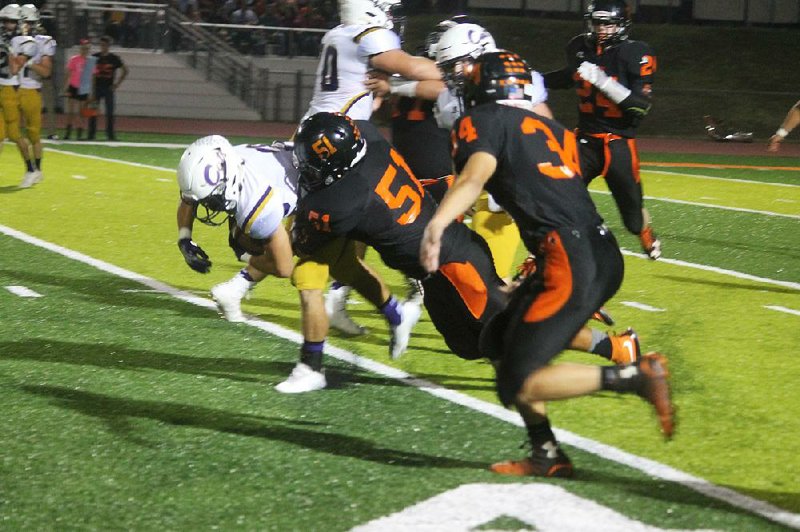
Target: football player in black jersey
x=613, y=77
x=530, y=165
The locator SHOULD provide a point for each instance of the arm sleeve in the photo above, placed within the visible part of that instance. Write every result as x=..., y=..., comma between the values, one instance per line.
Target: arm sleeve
x=641, y=64
x=558, y=79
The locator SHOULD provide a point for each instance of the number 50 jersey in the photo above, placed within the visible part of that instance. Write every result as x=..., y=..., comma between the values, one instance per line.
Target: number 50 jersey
x=343, y=66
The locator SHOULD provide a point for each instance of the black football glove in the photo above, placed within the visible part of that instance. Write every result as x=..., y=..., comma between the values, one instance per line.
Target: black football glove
x=237, y=248
x=194, y=255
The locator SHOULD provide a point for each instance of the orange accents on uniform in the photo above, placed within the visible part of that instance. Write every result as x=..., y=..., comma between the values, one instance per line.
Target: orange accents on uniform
x=606, y=156
x=557, y=281
x=466, y=130
x=649, y=65
x=469, y=285
x=416, y=114
x=395, y=201
x=634, y=160
x=568, y=153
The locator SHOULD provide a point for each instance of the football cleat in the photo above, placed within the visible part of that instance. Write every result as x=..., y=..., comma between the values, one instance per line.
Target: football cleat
x=625, y=347
x=415, y=291
x=650, y=244
x=603, y=316
x=655, y=390
x=547, y=461
x=338, y=318
x=410, y=311
x=228, y=297
x=31, y=178
x=302, y=379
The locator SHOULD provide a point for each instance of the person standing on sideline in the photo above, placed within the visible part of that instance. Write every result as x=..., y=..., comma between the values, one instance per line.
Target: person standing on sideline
x=106, y=83
x=613, y=78
x=72, y=86
x=791, y=121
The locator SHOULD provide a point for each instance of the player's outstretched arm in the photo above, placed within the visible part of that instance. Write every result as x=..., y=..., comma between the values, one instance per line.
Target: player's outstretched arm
x=195, y=257
x=791, y=121
x=409, y=66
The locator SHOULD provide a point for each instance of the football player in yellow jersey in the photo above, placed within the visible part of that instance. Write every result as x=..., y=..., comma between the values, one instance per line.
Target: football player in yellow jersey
x=36, y=69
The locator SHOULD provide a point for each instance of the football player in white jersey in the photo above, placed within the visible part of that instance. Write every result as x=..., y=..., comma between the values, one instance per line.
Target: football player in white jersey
x=36, y=69
x=362, y=43
x=15, y=50
x=257, y=186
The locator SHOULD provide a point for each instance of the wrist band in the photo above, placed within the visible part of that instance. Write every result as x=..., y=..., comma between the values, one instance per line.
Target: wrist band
x=781, y=133
x=406, y=89
x=184, y=232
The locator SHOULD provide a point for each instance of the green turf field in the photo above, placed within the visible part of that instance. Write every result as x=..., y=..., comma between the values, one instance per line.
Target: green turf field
x=130, y=405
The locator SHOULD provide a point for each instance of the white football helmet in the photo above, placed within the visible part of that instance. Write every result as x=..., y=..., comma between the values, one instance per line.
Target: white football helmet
x=210, y=174
x=29, y=16
x=9, y=13
x=368, y=12
x=459, y=45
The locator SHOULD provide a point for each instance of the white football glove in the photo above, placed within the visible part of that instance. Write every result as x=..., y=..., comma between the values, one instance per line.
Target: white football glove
x=592, y=73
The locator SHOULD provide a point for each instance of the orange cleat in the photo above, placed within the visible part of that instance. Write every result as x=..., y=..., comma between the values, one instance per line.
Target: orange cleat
x=655, y=390
x=650, y=244
x=549, y=461
x=625, y=347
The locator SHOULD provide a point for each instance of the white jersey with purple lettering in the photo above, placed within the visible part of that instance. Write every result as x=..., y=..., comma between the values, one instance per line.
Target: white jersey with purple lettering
x=269, y=188
x=343, y=67
x=19, y=45
x=46, y=46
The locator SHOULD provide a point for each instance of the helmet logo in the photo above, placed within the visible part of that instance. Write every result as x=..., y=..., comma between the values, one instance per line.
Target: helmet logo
x=213, y=174
x=323, y=148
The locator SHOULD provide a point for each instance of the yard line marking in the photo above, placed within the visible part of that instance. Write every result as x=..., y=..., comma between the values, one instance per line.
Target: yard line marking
x=728, y=179
x=650, y=467
x=723, y=271
x=668, y=200
x=76, y=176
x=709, y=205
x=115, y=144
x=22, y=291
x=723, y=166
x=642, y=306
x=783, y=309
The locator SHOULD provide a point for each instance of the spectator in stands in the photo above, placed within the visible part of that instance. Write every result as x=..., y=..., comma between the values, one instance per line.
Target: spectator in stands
x=244, y=15
x=72, y=89
x=106, y=83
x=791, y=121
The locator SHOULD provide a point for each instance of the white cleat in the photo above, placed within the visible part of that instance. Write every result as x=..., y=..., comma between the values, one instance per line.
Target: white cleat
x=228, y=297
x=338, y=318
x=302, y=379
x=31, y=178
x=410, y=311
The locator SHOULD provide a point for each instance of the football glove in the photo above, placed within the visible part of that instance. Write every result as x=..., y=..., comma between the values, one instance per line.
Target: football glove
x=612, y=88
x=194, y=255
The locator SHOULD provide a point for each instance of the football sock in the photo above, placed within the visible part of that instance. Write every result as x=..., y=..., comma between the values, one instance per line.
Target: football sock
x=243, y=272
x=621, y=379
x=29, y=165
x=601, y=344
x=39, y=163
x=540, y=433
x=336, y=285
x=311, y=354
x=391, y=311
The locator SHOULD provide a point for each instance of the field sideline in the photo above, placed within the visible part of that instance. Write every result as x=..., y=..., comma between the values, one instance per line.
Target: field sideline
x=768, y=290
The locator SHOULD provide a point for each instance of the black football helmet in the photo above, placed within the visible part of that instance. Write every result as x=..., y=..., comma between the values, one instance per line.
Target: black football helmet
x=603, y=13
x=325, y=147
x=500, y=75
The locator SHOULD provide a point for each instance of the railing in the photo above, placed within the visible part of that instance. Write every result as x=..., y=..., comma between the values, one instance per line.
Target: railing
x=143, y=25
x=266, y=40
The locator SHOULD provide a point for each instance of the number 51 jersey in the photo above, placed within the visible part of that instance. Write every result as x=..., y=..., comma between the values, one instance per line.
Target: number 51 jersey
x=343, y=66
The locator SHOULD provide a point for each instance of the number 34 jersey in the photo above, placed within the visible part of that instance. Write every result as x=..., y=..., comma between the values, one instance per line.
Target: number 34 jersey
x=378, y=202
x=343, y=66
x=537, y=180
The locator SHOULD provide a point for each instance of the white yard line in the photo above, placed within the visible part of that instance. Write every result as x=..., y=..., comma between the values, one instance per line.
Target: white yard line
x=783, y=309
x=642, y=306
x=710, y=205
x=649, y=467
x=717, y=178
x=22, y=291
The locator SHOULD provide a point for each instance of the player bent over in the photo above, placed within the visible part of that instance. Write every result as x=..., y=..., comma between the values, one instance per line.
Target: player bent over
x=257, y=186
x=529, y=164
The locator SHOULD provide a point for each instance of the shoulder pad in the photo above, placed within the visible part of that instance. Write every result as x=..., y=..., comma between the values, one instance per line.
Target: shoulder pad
x=366, y=32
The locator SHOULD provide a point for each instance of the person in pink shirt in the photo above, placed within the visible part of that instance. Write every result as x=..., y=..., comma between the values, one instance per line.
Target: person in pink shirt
x=72, y=89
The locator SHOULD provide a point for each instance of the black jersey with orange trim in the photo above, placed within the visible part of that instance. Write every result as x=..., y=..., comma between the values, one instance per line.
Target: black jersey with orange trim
x=422, y=143
x=378, y=202
x=631, y=63
x=538, y=179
